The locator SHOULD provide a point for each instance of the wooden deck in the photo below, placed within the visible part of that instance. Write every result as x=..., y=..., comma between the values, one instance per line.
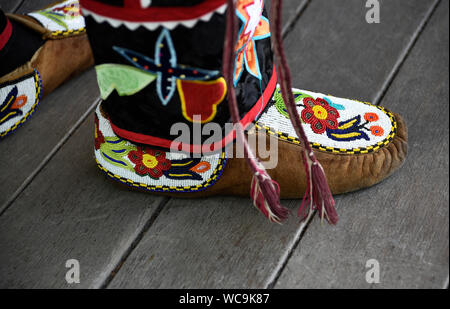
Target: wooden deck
x=55, y=205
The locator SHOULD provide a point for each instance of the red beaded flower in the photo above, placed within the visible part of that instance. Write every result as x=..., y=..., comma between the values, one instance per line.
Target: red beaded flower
x=371, y=117
x=377, y=130
x=320, y=115
x=149, y=162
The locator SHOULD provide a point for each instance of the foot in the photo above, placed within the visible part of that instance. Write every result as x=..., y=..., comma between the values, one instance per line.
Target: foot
x=358, y=145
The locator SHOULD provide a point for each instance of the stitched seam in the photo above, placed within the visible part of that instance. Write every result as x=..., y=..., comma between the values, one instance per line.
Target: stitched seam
x=61, y=33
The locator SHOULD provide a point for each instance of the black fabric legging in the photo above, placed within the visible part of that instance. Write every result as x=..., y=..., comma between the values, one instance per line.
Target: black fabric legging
x=21, y=46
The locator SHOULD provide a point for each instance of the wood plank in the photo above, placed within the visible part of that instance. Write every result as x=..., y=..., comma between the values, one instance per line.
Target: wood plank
x=9, y=6
x=30, y=6
x=404, y=221
x=23, y=151
x=344, y=55
x=70, y=211
x=225, y=242
x=290, y=12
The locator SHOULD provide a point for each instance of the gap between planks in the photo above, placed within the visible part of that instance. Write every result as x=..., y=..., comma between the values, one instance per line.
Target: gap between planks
x=134, y=244
x=290, y=24
x=405, y=53
x=49, y=156
x=288, y=253
x=16, y=7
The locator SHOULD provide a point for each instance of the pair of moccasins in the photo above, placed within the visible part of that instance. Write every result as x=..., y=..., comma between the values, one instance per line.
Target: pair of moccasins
x=158, y=65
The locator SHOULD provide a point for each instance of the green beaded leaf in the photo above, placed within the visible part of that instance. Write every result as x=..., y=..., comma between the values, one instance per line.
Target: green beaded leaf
x=126, y=80
x=114, y=150
x=57, y=18
x=279, y=102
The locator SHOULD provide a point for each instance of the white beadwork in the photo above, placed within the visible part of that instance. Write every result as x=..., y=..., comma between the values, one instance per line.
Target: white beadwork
x=275, y=120
x=209, y=177
x=26, y=87
x=75, y=22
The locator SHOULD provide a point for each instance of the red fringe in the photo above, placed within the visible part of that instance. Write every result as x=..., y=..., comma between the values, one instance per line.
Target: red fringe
x=264, y=191
x=265, y=194
x=318, y=195
x=322, y=197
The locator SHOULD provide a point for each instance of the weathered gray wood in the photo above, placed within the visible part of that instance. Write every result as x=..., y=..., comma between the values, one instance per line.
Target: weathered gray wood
x=29, y=6
x=344, y=55
x=225, y=242
x=290, y=12
x=24, y=150
x=70, y=211
x=9, y=6
x=404, y=221
x=197, y=244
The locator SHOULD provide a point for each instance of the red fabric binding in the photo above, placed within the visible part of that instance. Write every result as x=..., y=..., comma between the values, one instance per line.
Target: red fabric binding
x=245, y=122
x=135, y=4
x=6, y=34
x=151, y=14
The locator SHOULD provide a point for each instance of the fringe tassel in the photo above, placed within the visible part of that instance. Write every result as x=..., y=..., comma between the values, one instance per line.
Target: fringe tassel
x=269, y=206
x=265, y=192
x=318, y=195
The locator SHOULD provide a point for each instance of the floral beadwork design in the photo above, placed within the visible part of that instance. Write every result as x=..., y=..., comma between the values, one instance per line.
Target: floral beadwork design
x=320, y=115
x=352, y=129
x=10, y=107
x=348, y=130
x=377, y=130
x=189, y=168
x=371, y=117
x=279, y=102
x=60, y=14
x=332, y=124
x=62, y=19
x=144, y=161
x=18, y=101
x=323, y=117
x=71, y=9
x=149, y=162
x=114, y=150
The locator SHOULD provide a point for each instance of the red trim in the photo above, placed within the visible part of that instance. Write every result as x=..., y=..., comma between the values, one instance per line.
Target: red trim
x=165, y=143
x=135, y=4
x=6, y=34
x=152, y=14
